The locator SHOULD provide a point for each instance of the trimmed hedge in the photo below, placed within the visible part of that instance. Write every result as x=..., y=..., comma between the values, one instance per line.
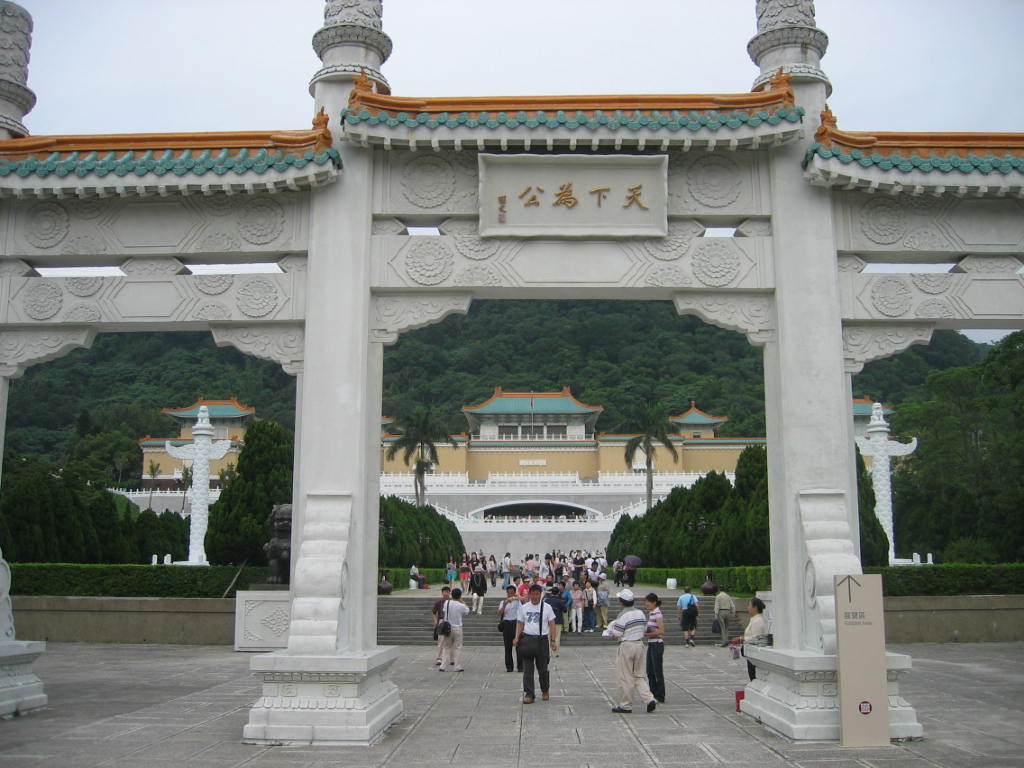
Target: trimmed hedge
x=743, y=579
x=952, y=579
x=897, y=581
x=73, y=579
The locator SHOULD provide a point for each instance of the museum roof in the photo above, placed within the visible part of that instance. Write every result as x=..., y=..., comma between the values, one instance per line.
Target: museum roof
x=696, y=417
x=862, y=406
x=744, y=119
x=532, y=402
x=218, y=409
x=975, y=163
x=157, y=163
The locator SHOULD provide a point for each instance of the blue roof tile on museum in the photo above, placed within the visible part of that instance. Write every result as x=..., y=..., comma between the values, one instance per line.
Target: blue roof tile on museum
x=218, y=409
x=532, y=402
x=697, y=417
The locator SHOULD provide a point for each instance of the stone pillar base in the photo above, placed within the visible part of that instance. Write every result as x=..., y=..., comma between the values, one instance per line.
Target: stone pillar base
x=324, y=700
x=262, y=618
x=797, y=694
x=21, y=691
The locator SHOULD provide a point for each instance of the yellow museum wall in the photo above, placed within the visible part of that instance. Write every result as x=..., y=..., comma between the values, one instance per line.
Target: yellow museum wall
x=482, y=463
x=168, y=463
x=450, y=461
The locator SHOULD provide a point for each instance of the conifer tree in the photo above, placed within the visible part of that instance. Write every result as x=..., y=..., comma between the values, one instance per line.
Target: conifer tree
x=238, y=521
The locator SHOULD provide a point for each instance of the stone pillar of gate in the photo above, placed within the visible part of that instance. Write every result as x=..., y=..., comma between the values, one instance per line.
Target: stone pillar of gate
x=812, y=483
x=16, y=98
x=330, y=685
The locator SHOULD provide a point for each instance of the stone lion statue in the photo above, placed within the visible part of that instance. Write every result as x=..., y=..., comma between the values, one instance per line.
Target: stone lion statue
x=279, y=548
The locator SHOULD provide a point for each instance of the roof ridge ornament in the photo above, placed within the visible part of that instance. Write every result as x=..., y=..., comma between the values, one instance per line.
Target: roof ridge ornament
x=320, y=121
x=827, y=128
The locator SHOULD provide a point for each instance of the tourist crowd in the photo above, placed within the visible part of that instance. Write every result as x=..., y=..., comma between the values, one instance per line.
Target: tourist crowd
x=546, y=595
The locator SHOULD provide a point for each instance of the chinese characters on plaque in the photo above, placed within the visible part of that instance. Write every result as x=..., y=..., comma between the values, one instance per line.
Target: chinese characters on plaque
x=573, y=195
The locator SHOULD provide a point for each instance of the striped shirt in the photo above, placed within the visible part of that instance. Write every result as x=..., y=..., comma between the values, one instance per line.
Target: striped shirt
x=652, y=625
x=629, y=625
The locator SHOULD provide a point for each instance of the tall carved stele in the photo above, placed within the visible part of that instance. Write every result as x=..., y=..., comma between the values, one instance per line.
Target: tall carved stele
x=877, y=445
x=202, y=451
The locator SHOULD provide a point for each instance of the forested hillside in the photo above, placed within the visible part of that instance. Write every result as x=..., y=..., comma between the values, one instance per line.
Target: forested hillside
x=93, y=405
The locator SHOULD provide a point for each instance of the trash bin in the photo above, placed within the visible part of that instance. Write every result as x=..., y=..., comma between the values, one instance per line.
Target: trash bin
x=670, y=583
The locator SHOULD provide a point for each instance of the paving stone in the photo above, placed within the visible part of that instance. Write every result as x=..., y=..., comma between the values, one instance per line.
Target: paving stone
x=185, y=706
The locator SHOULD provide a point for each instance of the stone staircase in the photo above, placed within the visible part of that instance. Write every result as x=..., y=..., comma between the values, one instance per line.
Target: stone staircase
x=403, y=620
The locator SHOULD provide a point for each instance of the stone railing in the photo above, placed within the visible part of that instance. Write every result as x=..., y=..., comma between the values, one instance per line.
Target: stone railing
x=662, y=480
x=532, y=479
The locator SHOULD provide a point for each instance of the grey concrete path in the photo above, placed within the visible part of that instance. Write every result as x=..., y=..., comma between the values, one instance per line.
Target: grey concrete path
x=163, y=706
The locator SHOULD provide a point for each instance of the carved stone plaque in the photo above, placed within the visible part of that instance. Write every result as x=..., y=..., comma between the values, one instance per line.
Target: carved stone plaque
x=573, y=195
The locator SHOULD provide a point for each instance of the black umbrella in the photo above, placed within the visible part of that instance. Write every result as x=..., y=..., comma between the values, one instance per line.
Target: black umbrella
x=632, y=561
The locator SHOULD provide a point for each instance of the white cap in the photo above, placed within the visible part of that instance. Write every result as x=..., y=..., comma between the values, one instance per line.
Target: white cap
x=627, y=595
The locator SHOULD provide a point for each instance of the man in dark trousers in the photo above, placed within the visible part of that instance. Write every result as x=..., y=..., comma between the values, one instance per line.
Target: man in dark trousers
x=436, y=613
x=508, y=615
x=535, y=639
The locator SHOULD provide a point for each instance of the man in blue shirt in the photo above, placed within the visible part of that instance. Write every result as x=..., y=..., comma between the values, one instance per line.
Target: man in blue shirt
x=689, y=608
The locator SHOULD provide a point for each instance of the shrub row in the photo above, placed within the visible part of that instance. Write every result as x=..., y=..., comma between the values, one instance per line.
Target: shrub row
x=72, y=579
x=186, y=581
x=952, y=579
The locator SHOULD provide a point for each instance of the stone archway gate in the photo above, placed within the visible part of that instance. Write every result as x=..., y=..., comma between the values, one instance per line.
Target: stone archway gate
x=596, y=197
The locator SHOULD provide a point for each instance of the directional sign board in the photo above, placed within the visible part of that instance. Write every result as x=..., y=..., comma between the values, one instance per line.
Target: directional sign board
x=860, y=651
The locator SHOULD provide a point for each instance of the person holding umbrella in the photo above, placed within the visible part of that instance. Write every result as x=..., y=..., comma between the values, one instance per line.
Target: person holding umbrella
x=629, y=566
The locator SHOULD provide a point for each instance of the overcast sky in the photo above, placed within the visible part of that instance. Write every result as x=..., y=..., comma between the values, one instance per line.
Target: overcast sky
x=121, y=66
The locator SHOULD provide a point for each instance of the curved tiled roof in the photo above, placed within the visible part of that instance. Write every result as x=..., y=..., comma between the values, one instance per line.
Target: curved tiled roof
x=400, y=121
x=218, y=409
x=914, y=161
x=862, y=406
x=532, y=402
x=695, y=416
x=241, y=161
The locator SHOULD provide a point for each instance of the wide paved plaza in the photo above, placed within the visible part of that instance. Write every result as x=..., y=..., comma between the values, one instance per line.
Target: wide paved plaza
x=163, y=706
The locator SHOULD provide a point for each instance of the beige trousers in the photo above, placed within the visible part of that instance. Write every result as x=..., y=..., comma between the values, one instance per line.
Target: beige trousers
x=451, y=648
x=631, y=666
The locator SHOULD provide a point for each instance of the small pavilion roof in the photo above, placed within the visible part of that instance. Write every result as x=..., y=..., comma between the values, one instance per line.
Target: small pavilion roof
x=729, y=120
x=695, y=417
x=919, y=163
x=507, y=403
x=218, y=409
x=159, y=163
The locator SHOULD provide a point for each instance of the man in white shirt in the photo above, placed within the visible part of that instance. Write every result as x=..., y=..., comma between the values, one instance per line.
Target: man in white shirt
x=631, y=660
x=453, y=612
x=535, y=639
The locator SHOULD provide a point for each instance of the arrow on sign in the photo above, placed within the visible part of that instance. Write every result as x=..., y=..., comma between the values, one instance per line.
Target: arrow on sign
x=849, y=581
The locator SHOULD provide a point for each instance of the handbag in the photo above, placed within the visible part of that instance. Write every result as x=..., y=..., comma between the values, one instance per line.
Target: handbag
x=444, y=627
x=716, y=626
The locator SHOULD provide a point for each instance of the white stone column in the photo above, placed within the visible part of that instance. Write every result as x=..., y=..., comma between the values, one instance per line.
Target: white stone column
x=16, y=98
x=330, y=686
x=812, y=483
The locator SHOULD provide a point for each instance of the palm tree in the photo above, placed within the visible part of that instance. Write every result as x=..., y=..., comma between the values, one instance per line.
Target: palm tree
x=421, y=431
x=154, y=473
x=651, y=420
